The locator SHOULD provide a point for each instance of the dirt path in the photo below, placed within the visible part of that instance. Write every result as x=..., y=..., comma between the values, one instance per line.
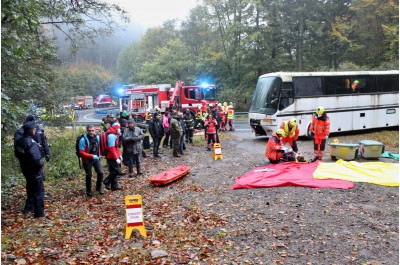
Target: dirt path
x=293, y=225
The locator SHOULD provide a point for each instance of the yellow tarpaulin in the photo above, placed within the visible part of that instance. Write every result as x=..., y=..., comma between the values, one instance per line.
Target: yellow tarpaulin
x=386, y=174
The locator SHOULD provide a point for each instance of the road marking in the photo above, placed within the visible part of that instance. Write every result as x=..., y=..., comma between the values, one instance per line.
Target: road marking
x=89, y=119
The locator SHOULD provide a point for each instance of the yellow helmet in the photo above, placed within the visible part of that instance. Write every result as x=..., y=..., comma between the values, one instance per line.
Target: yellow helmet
x=293, y=122
x=280, y=132
x=219, y=104
x=320, y=111
x=225, y=104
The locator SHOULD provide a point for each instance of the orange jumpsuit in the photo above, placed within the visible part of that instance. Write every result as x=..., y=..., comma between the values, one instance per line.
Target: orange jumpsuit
x=274, y=150
x=320, y=126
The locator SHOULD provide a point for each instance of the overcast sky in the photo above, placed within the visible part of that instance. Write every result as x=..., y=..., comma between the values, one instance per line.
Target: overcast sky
x=150, y=13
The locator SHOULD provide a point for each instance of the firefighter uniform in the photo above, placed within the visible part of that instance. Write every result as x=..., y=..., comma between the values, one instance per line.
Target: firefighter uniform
x=231, y=115
x=189, y=125
x=320, y=126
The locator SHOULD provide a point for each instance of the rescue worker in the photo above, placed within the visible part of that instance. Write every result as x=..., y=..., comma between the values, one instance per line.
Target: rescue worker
x=231, y=116
x=291, y=133
x=211, y=125
x=320, y=126
x=103, y=124
x=199, y=119
x=31, y=162
x=189, y=125
x=148, y=116
x=354, y=86
x=274, y=151
x=113, y=158
x=124, y=114
x=223, y=116
x=225, y=107
x=89, y=146
x=132, y=139
x=176, y=133
x=157, y=132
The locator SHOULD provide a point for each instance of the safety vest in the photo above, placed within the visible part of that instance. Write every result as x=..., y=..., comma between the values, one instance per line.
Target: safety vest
x=199, y=115
x=273, y=146
x=290, y=133
x=231, y=114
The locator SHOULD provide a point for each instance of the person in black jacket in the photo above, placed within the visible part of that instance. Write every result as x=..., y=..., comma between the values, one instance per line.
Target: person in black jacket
x=157, y=132
x=39, y=137
x=28, y=152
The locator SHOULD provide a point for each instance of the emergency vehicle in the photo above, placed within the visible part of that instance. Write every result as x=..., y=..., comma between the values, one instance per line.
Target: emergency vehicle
x=83, y=102
x=141, y=99
x=102, y=101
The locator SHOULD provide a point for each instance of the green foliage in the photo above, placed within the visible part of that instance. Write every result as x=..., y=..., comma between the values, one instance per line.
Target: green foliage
x=29, y=55
x=63, y=162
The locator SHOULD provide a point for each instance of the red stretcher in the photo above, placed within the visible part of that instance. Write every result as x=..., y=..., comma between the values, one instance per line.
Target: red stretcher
x=170, y=175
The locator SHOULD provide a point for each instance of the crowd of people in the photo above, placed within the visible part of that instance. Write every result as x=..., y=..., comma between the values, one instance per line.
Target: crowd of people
x=176, y=129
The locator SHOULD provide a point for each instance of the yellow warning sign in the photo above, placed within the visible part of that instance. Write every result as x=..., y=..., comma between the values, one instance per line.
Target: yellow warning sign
x=72, y=114
x=134, y=215
x=217, y=153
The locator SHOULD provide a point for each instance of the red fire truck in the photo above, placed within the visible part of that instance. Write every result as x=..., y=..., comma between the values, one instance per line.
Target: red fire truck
x=141, y=99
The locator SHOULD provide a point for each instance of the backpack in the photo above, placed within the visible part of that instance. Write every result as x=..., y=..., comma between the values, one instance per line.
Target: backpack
x=103, y=143
x=78, y=139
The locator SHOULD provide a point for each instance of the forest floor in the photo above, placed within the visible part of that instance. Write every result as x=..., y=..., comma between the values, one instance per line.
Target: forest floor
x=200, y=220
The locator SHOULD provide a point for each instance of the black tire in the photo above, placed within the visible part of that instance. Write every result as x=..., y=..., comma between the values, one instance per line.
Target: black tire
x=333, y=158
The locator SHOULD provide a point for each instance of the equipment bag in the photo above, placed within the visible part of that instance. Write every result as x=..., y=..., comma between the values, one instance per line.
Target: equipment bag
x=103, y=144
x=78, y=139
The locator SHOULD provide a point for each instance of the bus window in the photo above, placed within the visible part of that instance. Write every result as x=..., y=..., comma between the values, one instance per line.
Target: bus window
x=307, y=86
x=286, y=96
x=387, y=83
x=336, y=85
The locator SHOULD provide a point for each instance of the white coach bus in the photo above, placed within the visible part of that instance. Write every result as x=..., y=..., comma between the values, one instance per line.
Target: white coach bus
x=356, y=100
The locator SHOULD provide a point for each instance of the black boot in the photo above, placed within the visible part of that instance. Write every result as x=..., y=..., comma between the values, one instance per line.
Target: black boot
x=144, y=154
x=89, y=186
x=98, y=184
x=115, y=185
x=314, y=159
x=130, y=171
x=107, y=183
x=139, y=170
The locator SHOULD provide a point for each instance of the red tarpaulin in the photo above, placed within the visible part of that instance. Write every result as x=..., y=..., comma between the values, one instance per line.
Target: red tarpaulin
x=287, y=174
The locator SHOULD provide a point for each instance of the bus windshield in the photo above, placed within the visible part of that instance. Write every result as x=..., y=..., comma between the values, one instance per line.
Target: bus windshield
x=266, y=96
x=208, y=93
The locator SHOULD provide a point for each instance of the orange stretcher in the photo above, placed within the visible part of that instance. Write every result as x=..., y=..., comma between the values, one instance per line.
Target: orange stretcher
x=170, y=175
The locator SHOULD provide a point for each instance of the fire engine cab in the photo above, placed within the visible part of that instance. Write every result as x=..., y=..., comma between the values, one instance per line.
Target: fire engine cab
x=141, y=99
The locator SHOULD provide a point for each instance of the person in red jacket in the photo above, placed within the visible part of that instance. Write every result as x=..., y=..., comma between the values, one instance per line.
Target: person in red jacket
x=291, y=133
x=89, y=146
x=113, y=157
x=274, y=151
x=211, y=125
x=320, y=126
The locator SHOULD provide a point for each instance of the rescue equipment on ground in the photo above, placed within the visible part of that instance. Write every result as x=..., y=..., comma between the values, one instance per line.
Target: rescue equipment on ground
x=170, y=175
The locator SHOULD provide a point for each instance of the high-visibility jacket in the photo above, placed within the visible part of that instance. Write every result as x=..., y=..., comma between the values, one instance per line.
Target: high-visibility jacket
x=211, y=125
x=273, y=150
x=291, y=134
x=231, y=114
x=320, y=126
x=199, y=115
